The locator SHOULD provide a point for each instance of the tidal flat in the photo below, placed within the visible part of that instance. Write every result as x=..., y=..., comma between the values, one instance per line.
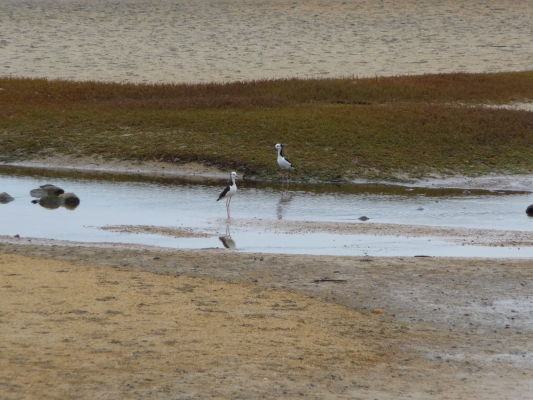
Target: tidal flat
x=142, y=108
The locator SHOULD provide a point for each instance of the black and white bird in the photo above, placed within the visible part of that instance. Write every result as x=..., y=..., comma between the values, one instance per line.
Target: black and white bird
x=229, y=191
x=283, y=162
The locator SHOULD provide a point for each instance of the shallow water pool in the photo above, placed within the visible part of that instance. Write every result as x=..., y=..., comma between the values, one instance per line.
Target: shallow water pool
x=194, y=206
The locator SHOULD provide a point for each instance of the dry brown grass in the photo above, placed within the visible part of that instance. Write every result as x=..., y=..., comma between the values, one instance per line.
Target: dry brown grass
x=473, y=88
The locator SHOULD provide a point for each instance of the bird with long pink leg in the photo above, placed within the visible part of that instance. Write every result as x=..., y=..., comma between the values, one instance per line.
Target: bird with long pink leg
x=228, y=192
x=283, y=162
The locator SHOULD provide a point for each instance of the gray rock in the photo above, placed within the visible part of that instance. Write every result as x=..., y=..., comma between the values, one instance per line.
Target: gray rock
x=529, y=210
x=5, y=198
x=46, y=190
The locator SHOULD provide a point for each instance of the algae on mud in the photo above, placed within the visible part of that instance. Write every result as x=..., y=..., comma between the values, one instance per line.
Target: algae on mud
x=337, y=129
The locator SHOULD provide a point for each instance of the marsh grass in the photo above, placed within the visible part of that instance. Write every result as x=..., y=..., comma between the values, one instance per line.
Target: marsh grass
x=335, y=128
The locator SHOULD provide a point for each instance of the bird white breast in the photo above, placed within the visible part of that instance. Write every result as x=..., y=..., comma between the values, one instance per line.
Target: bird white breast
x=232, y=190
x=284, y=163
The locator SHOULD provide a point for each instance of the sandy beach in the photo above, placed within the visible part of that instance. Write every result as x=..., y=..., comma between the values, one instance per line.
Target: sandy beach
x=138, y=322
x=184, y=41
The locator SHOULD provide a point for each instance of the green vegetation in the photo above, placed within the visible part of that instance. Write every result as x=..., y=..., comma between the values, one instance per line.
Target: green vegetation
x=335, y=128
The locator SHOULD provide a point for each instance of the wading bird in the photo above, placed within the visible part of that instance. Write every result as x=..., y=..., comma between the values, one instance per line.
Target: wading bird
x=228, y=192
x=283, y=162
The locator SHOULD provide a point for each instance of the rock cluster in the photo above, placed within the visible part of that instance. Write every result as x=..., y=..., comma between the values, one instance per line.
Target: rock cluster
x=51, y=197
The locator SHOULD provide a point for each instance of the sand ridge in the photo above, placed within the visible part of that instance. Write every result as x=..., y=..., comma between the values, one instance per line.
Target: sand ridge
x=464, y=236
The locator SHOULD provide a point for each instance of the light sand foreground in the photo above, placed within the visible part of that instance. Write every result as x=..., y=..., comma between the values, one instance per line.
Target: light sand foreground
x=83, y=331
x=163, y=324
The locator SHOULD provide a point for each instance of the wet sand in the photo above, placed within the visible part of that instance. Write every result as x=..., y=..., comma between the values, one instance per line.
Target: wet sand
x=147, y=323
x=158, y=230
x=190, y=171
x=188, y=41
x=198, y=172
x=485, y=237
x=463, y=236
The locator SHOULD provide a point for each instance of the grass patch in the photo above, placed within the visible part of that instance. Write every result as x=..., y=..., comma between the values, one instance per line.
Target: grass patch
x=335, y=128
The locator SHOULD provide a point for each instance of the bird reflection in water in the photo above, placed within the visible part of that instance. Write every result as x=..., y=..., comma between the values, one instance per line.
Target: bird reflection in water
x=227, y=240
x=68, y=200
x=284, y=200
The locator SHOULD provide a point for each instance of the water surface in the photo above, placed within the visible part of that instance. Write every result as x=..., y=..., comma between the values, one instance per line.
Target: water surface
x=194, y=206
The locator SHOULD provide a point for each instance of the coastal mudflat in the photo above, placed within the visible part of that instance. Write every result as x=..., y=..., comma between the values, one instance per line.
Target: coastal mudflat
x=137, y=322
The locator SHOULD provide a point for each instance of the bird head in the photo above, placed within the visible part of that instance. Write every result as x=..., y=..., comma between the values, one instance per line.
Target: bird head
x=278, y=146
x=234, y=175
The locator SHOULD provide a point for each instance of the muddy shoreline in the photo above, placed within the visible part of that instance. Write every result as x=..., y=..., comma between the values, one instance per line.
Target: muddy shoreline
x=195, y=172
x=461, y=324
x=106, y=167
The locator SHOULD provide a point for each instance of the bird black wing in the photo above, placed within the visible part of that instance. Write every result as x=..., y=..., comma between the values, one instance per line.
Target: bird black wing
x=283, y=155
x=289, y=161
x=223, y=193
